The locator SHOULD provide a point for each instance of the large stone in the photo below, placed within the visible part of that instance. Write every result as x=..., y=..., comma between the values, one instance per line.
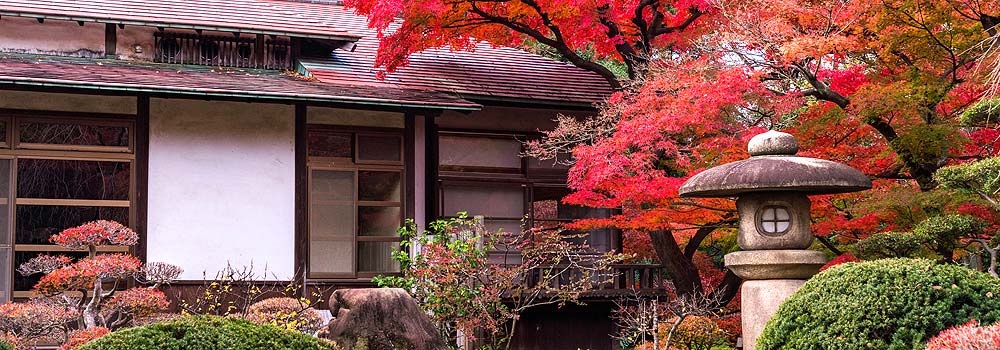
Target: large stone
x=760, y=300
x=380, y=319
x=775, y=264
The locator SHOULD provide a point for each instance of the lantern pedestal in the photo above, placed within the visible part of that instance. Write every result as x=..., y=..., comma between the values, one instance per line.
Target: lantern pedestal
x=771, y=277
x=760, y=300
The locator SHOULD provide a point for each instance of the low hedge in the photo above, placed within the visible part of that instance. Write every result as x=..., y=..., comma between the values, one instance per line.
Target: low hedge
x=206, y=333
x=883, y=304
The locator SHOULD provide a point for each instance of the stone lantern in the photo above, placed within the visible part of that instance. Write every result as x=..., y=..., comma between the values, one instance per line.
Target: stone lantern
x=771, y=189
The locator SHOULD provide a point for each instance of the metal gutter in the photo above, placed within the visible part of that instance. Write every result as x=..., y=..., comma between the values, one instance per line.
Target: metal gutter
x=194, y=92
x=350, y=37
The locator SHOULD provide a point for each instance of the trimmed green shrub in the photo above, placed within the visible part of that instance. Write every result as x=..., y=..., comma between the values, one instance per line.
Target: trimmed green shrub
x=5, y=346
x=883, y=304
x=890, y=245
x=206, y=333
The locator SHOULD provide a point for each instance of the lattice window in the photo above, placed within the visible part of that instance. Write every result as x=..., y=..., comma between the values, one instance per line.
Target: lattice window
x=223, y=51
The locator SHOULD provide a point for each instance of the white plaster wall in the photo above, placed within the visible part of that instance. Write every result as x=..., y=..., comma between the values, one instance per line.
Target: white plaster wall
x=221, y=186
x=354, y=117
x=67, y=102
x=26, y=35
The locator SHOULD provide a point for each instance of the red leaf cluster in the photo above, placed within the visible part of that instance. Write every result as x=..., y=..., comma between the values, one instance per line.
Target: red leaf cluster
x=84, y=273
x=96, y=233
x=841, y=259
x=83, y=336
x=138, y=302
x=969, y=336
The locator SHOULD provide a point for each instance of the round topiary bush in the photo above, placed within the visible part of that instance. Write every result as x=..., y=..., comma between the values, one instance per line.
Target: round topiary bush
x=882, y=304
x=206, y=333
x=289, y=313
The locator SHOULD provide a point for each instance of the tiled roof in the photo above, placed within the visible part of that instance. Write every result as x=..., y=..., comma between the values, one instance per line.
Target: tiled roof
x=498, y=73
x=488, y=73
x=107, y=74
x=273, y=17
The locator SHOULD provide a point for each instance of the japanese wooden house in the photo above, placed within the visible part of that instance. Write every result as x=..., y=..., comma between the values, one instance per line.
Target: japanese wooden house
x=256, y=131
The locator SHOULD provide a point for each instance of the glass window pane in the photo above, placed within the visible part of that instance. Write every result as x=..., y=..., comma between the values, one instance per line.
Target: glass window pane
x=782, y=214
x=549, y=164
x=331, y=185
x=3, y=131
x=73, y=134
x=72, y=179
x=380, y=148
x=35, y=223
x=768, y=214
x=379, y=186
x=5, y=201
x=471, y=151
x=5, y=270
x=331, y=220
x=768, y=226
x=377, y=257
x=331, y=256
x=493, y=201
x=325, y=144
x=379, y=221
x=782, y=226
x=508, y=226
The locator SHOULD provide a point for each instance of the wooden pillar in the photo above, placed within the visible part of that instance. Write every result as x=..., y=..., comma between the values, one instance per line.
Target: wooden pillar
x=110, y=40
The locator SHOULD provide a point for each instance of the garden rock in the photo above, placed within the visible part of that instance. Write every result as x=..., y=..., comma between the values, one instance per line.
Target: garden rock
x=380, y=319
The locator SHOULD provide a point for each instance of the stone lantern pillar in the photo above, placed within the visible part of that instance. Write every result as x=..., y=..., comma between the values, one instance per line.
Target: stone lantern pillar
x=771, y=189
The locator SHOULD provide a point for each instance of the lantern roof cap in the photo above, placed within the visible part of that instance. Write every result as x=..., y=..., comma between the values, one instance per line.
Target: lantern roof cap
x=773, y=166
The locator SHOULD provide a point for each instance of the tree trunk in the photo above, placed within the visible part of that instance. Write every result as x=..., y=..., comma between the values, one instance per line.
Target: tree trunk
x=685, y=275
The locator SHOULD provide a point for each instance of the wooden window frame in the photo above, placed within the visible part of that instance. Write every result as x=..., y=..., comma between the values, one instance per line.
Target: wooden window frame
x=12, y=150
x=357, y=165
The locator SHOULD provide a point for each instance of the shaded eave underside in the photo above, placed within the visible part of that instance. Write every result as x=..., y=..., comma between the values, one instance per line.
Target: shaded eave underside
x=55, y=83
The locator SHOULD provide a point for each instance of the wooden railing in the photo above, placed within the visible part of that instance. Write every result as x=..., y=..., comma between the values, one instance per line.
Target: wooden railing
x=623, y=279
x=224, y=51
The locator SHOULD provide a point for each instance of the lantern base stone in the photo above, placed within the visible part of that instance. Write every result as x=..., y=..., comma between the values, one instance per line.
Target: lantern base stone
x=760, y=300
x=775, y=264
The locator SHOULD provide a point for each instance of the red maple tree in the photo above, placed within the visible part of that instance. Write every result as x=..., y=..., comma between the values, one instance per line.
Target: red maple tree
x=883, y=86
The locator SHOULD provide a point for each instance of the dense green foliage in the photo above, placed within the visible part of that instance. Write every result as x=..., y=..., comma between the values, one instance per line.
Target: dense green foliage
x=883, y=304
x=206, y=333
x=5, y=346
x=981, y=177
x=890, y=245
x=983, y=112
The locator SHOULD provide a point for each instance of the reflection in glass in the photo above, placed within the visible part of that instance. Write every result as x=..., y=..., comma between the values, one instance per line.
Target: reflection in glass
x=35, y=223
x=379, y=186
x=73, y=134
x=379, y=221
x=72, y=179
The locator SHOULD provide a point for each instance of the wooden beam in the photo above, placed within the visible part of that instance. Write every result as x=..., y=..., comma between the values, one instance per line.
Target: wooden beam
x=301, y=200
x=258, y=51
x=141, y=177
x=110, y=40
